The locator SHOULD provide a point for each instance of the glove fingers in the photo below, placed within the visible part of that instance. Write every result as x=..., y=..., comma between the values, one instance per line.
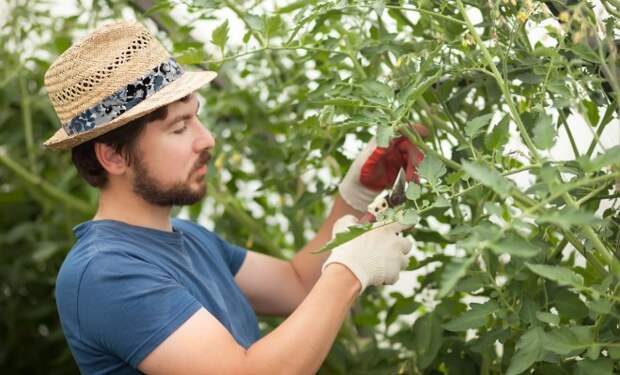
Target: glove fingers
x=342, y=224
x=391, y=279
x=404, y=262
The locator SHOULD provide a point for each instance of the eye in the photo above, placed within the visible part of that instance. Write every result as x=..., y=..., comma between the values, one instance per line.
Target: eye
x=181, y=129
x=384, y=205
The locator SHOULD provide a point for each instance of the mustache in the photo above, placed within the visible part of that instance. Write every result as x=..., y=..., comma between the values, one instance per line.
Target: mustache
x=203, y=159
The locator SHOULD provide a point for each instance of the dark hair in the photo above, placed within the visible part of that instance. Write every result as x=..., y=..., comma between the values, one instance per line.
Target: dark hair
x=122, y=139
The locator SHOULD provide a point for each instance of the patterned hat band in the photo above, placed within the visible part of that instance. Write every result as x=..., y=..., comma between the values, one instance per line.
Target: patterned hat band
x=125, y=98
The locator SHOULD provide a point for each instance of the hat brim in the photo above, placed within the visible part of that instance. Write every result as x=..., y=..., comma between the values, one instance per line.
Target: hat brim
x=184, y=85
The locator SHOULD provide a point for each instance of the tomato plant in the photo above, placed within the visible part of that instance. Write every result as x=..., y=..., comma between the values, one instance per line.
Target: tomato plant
x=517, y=269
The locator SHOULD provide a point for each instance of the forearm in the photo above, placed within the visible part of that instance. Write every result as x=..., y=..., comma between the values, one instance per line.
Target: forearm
x=308, y=265
x=300, y=344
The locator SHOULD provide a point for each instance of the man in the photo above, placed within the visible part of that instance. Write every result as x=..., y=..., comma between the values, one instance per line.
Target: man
x=143, y=293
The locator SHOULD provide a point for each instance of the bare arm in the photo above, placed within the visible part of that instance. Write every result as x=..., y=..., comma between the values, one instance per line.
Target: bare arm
x=298, y=346
x=275, y=286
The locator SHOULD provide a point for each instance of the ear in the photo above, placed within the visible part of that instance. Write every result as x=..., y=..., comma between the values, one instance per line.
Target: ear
x=112, y=161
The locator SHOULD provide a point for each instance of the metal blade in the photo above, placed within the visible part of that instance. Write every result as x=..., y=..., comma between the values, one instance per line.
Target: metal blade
x=397, y=195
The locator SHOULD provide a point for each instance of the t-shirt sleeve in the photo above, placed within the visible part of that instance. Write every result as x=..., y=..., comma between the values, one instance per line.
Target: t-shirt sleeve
x=233, y=255
x=129, y=306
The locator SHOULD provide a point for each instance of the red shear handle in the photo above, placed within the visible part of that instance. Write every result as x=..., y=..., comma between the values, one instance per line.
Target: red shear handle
x=381, y=168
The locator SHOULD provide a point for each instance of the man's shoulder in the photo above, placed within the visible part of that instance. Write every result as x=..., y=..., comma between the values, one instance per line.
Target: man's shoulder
x=189, y=226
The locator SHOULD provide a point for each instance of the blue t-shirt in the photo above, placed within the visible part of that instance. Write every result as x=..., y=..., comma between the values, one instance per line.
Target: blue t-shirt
x=123, y=289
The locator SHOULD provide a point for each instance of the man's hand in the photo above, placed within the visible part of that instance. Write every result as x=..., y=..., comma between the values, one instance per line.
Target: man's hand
x=375, y=169
x=376, y=257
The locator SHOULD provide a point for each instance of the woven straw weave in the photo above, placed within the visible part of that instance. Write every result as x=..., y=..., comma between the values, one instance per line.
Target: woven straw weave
x=100, y=64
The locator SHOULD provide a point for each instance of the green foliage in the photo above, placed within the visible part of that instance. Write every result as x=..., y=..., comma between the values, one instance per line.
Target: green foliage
x=536, y=272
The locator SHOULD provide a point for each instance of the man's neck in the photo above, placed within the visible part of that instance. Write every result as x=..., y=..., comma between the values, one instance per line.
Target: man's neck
x=123, y=205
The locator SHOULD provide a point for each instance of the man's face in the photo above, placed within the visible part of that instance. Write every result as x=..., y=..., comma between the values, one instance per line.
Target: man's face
x=171, y=157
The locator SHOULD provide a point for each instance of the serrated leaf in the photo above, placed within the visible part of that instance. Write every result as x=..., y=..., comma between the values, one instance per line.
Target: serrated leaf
x=515, y=245
x=408, y=216
x=452, y=273
x=544, y=131
x=609, y=157
x=219, y=37
x=561, y=275
x=343, y=237
x=476, y=125
x=567, y=217
x=475, y=317
x=376, y=88
x=431, y=169
x=415, y=89
x=413, y=191
x=384, y=135
x=529, y=350
x=488, y=177
x=499, y=136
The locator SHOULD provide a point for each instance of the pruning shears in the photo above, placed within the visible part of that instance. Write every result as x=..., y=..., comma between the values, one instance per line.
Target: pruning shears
x=383, y=201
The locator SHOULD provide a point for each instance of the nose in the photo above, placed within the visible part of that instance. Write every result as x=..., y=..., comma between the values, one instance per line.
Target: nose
x=204, y=138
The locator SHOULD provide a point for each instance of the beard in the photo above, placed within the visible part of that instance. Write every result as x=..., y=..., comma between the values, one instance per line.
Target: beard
x=179, y=194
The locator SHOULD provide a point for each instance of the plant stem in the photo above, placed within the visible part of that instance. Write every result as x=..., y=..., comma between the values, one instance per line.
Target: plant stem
x=501, y=83
x=599, y=130
x=601, y=250
x=47, y=188
x=565, y=188
x=569, y=133
x=27, y=122
x=593, y=193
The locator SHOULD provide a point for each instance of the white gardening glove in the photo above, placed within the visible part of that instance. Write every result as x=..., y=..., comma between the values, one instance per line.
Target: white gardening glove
x=376, y=257
x=351, y=189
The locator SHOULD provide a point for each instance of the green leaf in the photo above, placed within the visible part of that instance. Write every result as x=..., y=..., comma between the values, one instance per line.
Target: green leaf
x=600, y=306
x=476, y=125
x=499, y=136
x=488, y=177
x=544, y=131
x=585, y=52
x=408, y=216
x=427, y=339
x=609, y=157
x=415, y=89
x=476, y=317
x=568, y=340
x=219, y=37
x=567, y=217
x=515, y=245
x=452, y=273
x=431, y=169
x=591, y=111
x=376, y=88
x=343, y=237
x=548, y=318
x=560, y=275
x=602, y=366
x=384, y=135
x=413, y=191
x=528, y=351
x=191, y=56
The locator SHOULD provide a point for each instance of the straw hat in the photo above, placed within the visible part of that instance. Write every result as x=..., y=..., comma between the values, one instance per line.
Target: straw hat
x=116, y=74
